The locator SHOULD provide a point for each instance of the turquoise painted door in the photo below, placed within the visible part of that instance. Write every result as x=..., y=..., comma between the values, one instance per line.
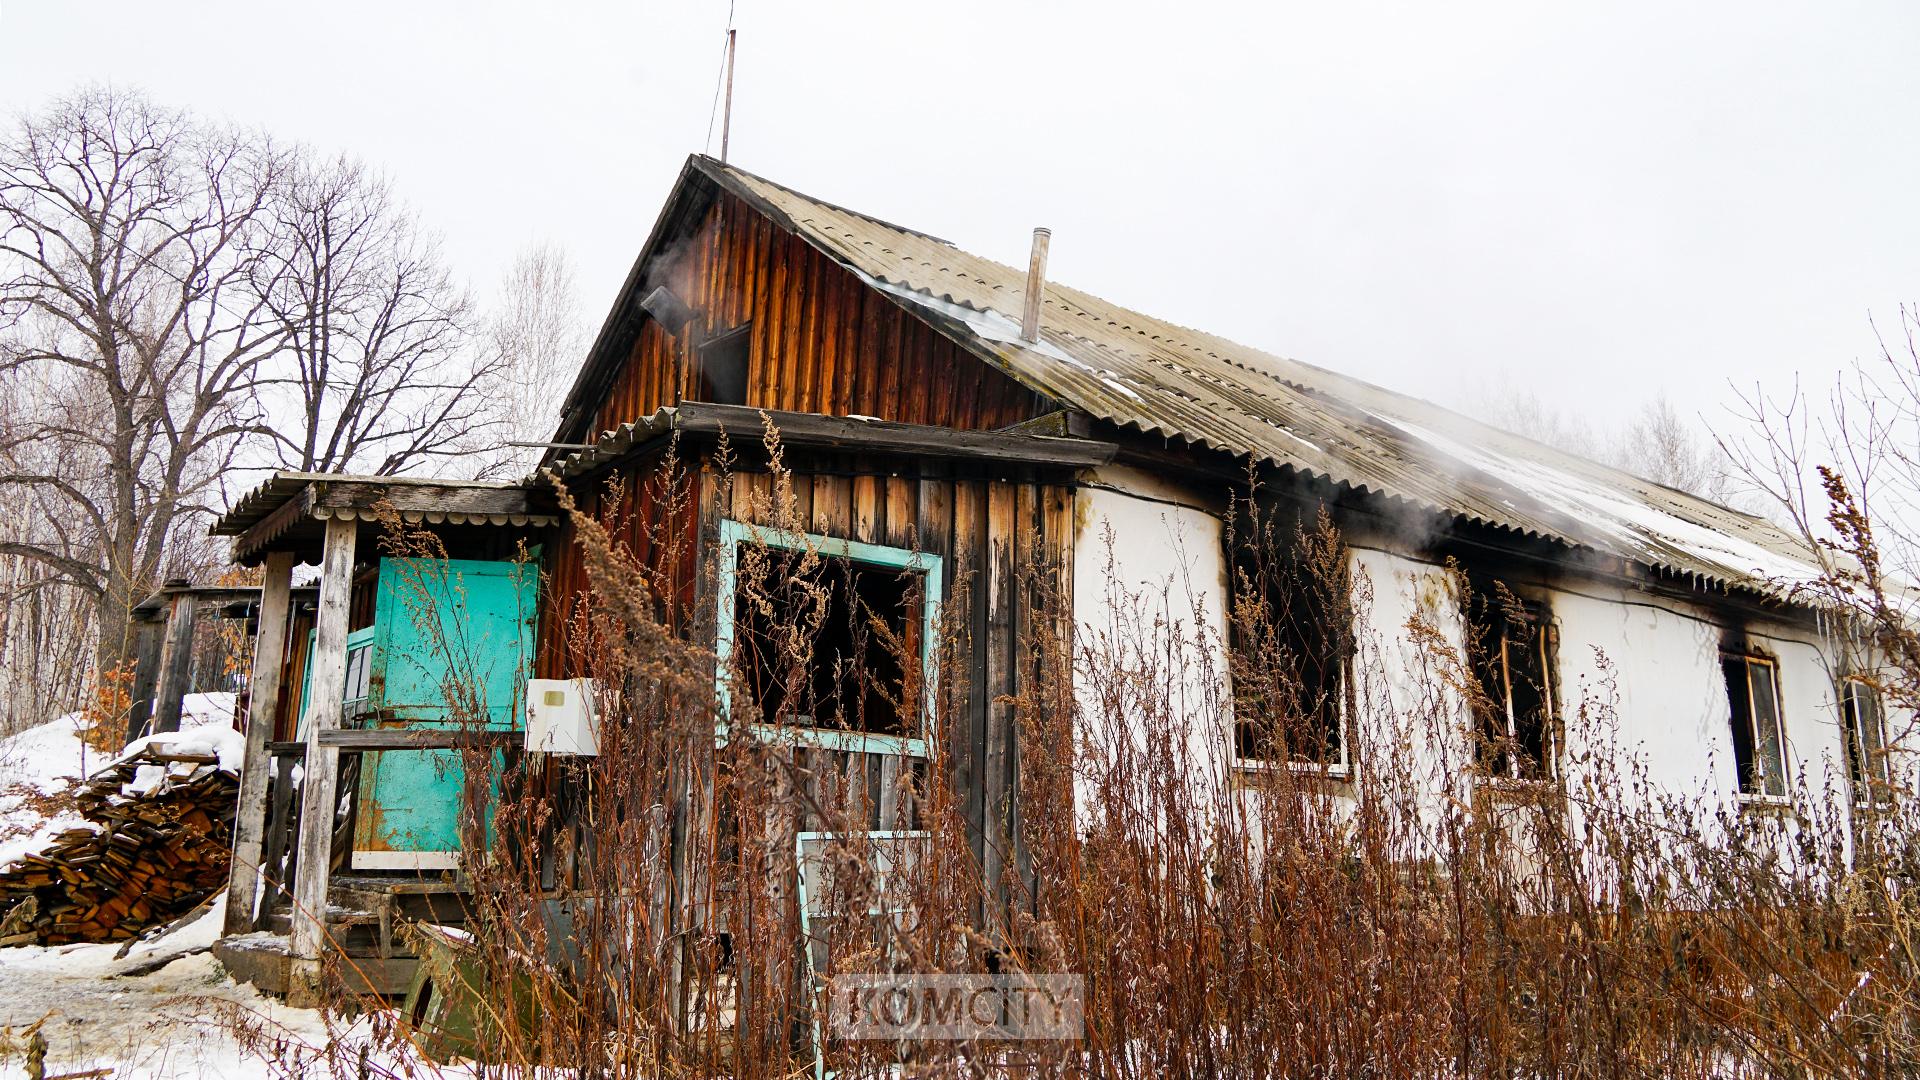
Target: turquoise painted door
x=452, y=646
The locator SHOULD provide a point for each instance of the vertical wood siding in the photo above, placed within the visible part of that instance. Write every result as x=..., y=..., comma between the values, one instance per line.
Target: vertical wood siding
x=821, y=340
x=642, y=516
x=994, y=533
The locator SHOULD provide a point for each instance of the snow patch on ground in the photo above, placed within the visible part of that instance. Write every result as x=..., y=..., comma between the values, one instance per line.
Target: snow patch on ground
x=169, y=1024
x=42, y=764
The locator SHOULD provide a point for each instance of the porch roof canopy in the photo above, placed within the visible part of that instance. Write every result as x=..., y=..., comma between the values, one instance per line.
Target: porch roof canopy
x=289, y=510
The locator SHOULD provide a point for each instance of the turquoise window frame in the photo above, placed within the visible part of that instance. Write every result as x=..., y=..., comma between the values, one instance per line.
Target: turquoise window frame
x=359, y=640
x=816, y=979
x=932, y=569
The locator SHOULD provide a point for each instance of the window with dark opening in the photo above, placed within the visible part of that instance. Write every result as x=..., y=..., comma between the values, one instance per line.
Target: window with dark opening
x=1510, y=650
x=1759, y=743
x=1864, y=727
x=723, y=367
x=1291, y=629
x=827, y=642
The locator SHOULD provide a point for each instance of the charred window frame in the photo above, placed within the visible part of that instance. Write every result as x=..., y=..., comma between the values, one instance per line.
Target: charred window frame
x=721, y=378
x=1759, y=733
x=1291, y=643
x=1512, y=653
x=856, y=585
x=1863, y=727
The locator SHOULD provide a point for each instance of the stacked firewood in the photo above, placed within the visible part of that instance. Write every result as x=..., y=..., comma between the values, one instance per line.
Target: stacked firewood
x=161, y=844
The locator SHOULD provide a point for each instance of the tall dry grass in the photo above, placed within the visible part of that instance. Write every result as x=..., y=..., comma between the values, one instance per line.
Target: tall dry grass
x=637, y=913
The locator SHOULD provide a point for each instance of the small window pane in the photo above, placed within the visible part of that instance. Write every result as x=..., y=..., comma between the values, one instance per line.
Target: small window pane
x=358, y=664
x=1740, y=702
x=1866, y=734
x=1769, y=741
x=1532, y=699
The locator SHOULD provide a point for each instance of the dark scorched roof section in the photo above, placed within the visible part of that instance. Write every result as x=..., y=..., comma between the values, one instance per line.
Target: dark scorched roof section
x=1153, y=376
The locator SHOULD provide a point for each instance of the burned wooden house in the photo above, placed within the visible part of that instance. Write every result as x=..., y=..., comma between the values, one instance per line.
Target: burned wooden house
x=946, y=419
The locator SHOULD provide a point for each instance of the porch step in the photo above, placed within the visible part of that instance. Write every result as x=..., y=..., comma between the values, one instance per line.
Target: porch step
x=261, y=959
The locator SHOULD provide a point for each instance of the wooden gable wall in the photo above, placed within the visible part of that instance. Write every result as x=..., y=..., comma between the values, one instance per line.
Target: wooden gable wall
x=822, y=341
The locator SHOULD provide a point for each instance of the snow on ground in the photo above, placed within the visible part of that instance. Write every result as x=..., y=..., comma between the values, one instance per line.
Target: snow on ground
x=42, y=763
x=185, y=1019
x=171, y=1024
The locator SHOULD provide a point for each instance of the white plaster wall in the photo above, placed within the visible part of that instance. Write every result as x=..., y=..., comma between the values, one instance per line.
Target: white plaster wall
x=1145, y=560
x=1643, y=671
x=1144, y=556
x=1647, y=677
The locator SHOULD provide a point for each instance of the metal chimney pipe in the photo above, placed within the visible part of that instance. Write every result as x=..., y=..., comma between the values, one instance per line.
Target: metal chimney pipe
x=1036, y=285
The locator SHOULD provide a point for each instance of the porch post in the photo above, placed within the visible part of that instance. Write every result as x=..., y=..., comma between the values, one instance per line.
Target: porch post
x=319, y=794
x=263, y=699
x=176, y=662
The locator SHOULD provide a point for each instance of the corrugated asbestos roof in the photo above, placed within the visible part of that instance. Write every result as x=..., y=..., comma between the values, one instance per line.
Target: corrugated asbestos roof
x=1147, y=374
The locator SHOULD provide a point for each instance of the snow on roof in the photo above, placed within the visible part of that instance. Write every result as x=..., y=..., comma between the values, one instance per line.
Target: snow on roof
x=1153, y=376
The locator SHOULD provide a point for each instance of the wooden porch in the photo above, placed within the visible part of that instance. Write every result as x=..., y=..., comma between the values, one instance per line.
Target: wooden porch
x=294, y=897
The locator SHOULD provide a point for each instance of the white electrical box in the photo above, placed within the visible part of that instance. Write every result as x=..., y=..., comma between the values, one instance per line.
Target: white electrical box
x=561, y=717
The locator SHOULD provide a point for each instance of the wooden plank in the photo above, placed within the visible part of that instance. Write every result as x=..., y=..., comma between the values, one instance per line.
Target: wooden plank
x=867, y=509
x=831, y=498
x=1026, y=588
x=847, y=365
x=912, y=440
x=902, y=517
x=793, y=365
x=739, y=499
x=411, y=495
x=996, y=766
x=829, y=356
x=887, y=804
x=797, y=513
x=885, y=365
x=784, y=312
x=320, y=789
x=371, y=739
x=917, y=386
x=772, y=310
x=263, y=698
x=968, y=731
x=147, y=640
x=176, y=664
x=807, y=356
x=933, y=513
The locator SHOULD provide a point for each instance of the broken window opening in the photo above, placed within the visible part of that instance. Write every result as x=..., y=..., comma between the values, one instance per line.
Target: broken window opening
x=831, y=638
x=1292, y=638
x=1864, y=727
x=723, y=367
x=1759, y=741
x=1510, y=650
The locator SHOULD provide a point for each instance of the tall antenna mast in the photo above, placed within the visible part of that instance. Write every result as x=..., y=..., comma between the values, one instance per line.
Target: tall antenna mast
x=726, y=121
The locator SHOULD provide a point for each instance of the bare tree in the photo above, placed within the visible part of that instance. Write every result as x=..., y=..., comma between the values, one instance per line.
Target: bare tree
x=381, y=371
x=536, y=334
x=129, y=244
x=1662, y=446
x=1659, y=444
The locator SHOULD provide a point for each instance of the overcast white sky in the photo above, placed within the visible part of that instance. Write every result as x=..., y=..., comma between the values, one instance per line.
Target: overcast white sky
x=1594, y=203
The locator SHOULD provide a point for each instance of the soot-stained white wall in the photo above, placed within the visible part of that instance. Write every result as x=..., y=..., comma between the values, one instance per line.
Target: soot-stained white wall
x=1640, y=669
x=1148, y=568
